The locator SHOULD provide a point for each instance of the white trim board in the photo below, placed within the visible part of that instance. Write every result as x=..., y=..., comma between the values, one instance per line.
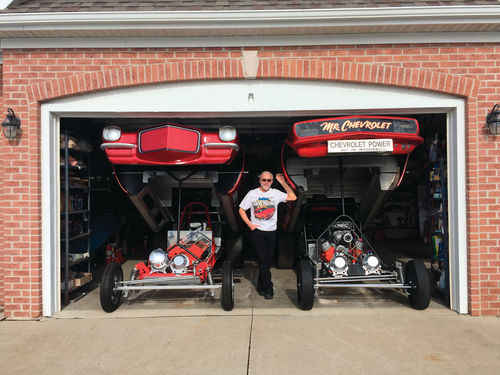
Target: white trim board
x=264, y=41
x=271, y=98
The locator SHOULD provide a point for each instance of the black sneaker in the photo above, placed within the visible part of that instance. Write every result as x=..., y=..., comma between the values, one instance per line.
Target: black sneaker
x=260, y=291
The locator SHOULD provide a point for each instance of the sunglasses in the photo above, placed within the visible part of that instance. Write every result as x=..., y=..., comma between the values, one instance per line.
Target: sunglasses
x=266, y=180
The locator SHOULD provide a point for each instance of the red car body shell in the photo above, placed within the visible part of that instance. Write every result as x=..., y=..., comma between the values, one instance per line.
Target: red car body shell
x=170, y=144
x=310, y=138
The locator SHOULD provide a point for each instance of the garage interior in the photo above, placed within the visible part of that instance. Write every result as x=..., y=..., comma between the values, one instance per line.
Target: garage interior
x=410, y=224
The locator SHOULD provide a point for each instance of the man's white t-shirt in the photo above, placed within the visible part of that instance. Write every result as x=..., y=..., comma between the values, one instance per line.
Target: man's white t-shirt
x=264, y=206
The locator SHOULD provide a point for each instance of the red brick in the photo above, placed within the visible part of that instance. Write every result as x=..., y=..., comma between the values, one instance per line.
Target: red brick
x=468, y=70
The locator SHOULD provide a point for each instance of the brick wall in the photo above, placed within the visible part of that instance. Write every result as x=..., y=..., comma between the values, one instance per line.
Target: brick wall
x=32, y=76
x=2, y=265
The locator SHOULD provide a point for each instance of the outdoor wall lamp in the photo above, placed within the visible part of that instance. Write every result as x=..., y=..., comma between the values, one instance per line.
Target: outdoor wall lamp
x=11, y=125
x=493, y=120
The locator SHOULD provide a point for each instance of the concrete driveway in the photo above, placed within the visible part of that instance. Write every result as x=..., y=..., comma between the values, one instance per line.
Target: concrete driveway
x=354, y=331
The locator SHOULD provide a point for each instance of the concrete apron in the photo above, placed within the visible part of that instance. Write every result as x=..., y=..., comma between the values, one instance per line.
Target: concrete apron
x=347, y=341
x=247, y=302
x=350, y=332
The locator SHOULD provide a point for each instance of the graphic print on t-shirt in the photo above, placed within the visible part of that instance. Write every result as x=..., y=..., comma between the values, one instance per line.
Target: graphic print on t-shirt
x=264, y=208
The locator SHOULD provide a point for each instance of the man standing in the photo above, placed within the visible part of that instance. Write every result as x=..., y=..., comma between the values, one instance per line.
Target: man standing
x=263, y=204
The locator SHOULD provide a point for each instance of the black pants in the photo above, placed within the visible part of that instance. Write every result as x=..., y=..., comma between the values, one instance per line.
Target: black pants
x=263, y=244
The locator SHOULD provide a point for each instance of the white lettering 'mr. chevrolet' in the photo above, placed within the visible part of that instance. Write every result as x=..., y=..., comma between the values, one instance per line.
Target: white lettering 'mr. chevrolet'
x=360, y=145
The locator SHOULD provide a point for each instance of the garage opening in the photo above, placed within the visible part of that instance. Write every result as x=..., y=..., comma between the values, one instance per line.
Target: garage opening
x=272, y=111
x=101, y=222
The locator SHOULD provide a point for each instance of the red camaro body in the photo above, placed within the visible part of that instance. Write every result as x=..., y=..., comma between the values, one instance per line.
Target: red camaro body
x=150, y=162
x=170, y=144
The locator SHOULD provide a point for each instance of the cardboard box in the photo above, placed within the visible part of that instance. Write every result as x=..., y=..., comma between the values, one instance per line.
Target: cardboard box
x=87, y=277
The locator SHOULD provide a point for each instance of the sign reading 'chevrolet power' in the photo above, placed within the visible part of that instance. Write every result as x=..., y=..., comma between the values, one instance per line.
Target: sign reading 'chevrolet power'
x=360, y=145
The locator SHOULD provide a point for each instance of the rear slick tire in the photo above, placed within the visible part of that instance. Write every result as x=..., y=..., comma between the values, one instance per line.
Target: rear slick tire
x=417, y=277
x=227, y=289
x=305, y=287
x=110, y=299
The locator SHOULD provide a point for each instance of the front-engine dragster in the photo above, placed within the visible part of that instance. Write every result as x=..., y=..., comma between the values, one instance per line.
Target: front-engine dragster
x=361, y=158
x=341, y=256
x=187, y=263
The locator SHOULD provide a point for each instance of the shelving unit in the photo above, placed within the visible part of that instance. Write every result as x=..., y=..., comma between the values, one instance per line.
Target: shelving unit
x=75, y=215
x=439, y=226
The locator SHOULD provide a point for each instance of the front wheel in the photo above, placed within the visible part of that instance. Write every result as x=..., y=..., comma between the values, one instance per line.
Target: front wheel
x=227, y=290
x=305, y=287
x=418, y=278
x=110, y=298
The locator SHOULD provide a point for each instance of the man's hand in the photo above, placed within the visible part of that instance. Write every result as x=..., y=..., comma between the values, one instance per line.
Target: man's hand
x=252, y=226
x=280, y=178
x=244, y=217
x=290, y=195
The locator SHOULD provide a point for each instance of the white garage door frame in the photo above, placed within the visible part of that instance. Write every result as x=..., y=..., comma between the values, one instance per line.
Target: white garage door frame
x=252, y=98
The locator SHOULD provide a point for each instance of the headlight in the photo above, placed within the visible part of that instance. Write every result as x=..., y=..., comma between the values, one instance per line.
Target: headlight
x=179, y=263
x=158, y=261
x=339, y=264
x=111, y=133
x=227, y=133
x=371, y=264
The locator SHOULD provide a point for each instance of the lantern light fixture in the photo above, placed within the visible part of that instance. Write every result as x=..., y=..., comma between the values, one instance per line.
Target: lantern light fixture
x=11, y=125
x=493, y=120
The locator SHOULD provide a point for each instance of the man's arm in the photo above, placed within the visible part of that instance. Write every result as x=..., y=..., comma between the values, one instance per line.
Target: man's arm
x=290, y=195
x=245, y=218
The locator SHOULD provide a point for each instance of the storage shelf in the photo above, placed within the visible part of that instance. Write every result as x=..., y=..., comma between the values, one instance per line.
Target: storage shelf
x=78, y=261
x=77, y=180
x=76, y=169
x=83, y=235
x=77, y=187
x=438, y=217
x=72, y=151
x=76, y=212
x=73, y=288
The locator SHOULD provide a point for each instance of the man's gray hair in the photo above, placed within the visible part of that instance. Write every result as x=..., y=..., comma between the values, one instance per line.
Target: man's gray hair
x=261, y=173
